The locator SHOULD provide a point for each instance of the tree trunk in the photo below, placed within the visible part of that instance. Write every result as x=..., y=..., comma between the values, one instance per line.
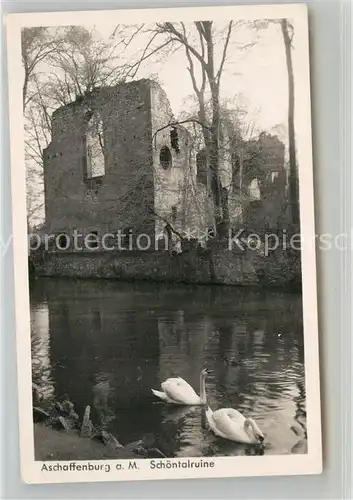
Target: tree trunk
x=293, y=178
x=214, y=170
x=216, y=187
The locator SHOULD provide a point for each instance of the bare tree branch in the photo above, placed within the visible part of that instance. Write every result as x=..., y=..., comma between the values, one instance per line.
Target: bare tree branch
x=224, y=54
x=133, y=69
x=170, y=28
x=176, y=123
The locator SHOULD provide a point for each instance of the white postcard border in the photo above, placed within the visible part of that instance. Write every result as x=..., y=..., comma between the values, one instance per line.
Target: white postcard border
x=266, y=465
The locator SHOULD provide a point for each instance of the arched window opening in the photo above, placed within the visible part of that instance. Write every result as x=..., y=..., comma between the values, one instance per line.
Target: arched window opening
x=254, y=190
x=201, y=167
x=274, y=176
x=165, y=158
x=95, y=159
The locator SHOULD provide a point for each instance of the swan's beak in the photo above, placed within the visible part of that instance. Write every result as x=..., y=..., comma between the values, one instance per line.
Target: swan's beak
x=261, y=439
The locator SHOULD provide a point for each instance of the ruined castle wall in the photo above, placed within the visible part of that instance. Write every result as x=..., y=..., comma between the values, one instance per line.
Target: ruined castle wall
x=271, y=210
x=122, y=197
x=170, y=160
x=176, y=187
x=190, y=267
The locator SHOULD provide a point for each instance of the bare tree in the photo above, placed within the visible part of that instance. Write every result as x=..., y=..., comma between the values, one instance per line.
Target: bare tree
x=84, y=62
x=60, y=64
x=200, y=56
x=288, y=33
x=37, y=45
x=206, y=48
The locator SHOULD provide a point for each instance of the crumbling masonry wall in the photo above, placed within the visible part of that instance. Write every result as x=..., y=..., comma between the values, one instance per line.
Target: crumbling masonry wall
x=124, y=195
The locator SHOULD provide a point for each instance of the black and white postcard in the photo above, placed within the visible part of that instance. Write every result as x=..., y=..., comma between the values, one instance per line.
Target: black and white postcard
x=164, y=243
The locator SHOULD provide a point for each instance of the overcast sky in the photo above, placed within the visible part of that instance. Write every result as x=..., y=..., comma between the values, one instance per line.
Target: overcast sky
x=258, y=73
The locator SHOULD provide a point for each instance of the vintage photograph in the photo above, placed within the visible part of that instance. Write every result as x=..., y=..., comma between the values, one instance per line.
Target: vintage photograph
x=164, y=159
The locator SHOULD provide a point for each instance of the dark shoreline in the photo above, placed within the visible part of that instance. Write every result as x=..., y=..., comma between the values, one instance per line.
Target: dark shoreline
x=51, y=445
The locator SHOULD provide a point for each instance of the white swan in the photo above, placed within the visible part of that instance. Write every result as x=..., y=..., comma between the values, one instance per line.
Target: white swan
x=178, y=391
x=232, y=425
x=302, y=445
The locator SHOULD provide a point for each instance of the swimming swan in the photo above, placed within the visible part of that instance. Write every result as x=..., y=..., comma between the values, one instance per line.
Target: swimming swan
x=232, y=425
x=178, y=391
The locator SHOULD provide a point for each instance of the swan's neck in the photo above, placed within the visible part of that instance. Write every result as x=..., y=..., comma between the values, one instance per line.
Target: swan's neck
x=203, y=397
x=249, y=423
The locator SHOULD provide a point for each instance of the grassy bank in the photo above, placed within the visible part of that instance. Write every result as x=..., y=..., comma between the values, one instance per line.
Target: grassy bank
x=50, y=444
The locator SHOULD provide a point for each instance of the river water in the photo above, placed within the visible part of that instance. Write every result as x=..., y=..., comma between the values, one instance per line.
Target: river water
x=106, y=344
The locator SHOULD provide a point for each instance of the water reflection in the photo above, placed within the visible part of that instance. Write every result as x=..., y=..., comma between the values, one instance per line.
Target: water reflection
x=108, y=343
x=40, y=346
